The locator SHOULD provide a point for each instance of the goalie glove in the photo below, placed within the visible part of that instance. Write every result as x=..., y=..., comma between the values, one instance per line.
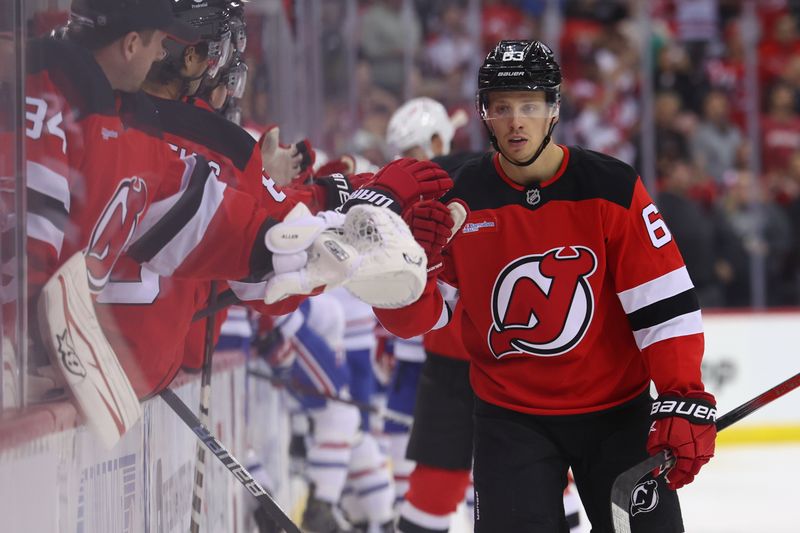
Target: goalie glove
x=308, y=253
x=401, y=183
x=433, y=225
x=392, y=269
x=686, y=426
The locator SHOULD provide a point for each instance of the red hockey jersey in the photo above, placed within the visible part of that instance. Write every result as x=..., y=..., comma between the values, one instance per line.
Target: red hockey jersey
x=137, y=299
x=574, y=292
x=102, y=179
x=447, y=341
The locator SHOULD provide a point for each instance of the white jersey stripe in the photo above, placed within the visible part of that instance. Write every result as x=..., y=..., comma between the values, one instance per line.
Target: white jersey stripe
x=170, y=257
x=48, y=182
x=423, y=519
x=680, y=326
x=42, y=229
x=661, y=288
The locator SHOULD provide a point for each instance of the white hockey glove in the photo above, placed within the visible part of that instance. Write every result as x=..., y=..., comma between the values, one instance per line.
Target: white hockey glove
x=308, y=252
x=392, y=272
x=78, y=347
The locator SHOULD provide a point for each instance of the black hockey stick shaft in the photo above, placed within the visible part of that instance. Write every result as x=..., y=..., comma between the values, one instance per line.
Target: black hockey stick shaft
x=225, y=299
x=298, y=389
x=220, y=452
x=205, y=403
x=626, y=481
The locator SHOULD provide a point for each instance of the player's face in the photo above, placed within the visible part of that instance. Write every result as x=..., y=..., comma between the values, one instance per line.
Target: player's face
x=146, y=52
x=519, y=120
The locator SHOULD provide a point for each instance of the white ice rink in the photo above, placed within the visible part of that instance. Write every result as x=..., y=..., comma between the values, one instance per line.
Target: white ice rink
x=744, y=489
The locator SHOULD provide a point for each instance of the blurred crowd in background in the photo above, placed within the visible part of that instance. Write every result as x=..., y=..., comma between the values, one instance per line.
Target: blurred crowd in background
x=335, y=70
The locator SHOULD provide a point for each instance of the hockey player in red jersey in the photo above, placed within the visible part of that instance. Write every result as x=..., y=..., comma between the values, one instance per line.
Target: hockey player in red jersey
x=574, y=298
x=101, y=178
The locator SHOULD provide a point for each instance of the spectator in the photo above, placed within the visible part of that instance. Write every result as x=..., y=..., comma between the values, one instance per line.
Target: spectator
x=674, y=73
x=390, y=36
x=698, y=232
x=716, y=138
x=760, y=228
x=792, y=270
x=777, y=49
x=671, y=141
x=727, y=71
x=450, y=54
x=780, y=128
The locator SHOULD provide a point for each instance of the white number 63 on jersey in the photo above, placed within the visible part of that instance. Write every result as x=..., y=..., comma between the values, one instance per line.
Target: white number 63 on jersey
x=656, y=227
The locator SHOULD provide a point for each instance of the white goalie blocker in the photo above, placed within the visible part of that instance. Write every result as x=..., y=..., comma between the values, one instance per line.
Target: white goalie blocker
x=78, y=347
x=370, y=251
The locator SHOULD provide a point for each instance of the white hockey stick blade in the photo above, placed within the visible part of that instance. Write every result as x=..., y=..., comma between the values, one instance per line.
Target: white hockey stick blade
x=77, y=346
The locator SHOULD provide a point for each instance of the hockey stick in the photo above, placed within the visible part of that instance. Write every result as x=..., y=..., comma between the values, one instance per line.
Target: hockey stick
x=224, y=299
x=205, y=402
x=627, y=481
x=297, y=389
x=245, y=478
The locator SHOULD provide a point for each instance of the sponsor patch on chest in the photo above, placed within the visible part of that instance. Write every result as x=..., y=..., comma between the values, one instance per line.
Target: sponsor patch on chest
x=480, y=223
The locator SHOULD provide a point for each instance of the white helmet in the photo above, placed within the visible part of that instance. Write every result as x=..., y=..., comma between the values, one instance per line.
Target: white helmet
x=415, y=123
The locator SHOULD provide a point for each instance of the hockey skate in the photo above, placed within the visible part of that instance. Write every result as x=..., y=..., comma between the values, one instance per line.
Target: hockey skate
x=323, y=517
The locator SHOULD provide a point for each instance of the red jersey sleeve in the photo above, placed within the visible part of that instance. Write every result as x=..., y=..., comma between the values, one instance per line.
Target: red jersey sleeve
x=656, y=293
x=433, y=310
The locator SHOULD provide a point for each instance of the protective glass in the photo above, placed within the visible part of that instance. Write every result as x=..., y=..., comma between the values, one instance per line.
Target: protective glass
x=219, y=53
x=505, y=109
x=239, y=33
x=236, y=80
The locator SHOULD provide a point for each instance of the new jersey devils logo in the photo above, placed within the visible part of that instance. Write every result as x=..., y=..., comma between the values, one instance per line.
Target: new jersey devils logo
x=543, y=304
x=114, y=230
x=644, y=497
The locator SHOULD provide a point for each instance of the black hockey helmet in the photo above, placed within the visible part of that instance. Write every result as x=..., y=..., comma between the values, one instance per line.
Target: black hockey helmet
x=520, y=65
x=211, y=18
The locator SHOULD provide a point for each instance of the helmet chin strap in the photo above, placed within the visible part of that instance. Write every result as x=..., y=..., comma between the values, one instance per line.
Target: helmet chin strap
x=535, y=156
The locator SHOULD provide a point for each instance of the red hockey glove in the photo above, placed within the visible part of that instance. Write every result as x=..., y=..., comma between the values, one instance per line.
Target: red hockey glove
x=401, y=183
x=431, y=225
x=686, y=426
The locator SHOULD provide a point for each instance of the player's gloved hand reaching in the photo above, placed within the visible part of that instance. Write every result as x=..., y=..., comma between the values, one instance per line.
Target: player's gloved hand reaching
x=686, y=426
x=283, y=163
x=433, y=225
x=401, y=183
x=308, y=254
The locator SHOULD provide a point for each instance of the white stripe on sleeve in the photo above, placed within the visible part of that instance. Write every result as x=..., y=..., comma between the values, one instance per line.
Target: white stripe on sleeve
x=170, y=257
x=661, y=288
x=42, y=229
x=48, y=182
x=680, y=326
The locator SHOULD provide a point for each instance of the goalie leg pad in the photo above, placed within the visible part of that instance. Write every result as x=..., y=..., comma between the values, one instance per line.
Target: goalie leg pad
x=78, y=347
